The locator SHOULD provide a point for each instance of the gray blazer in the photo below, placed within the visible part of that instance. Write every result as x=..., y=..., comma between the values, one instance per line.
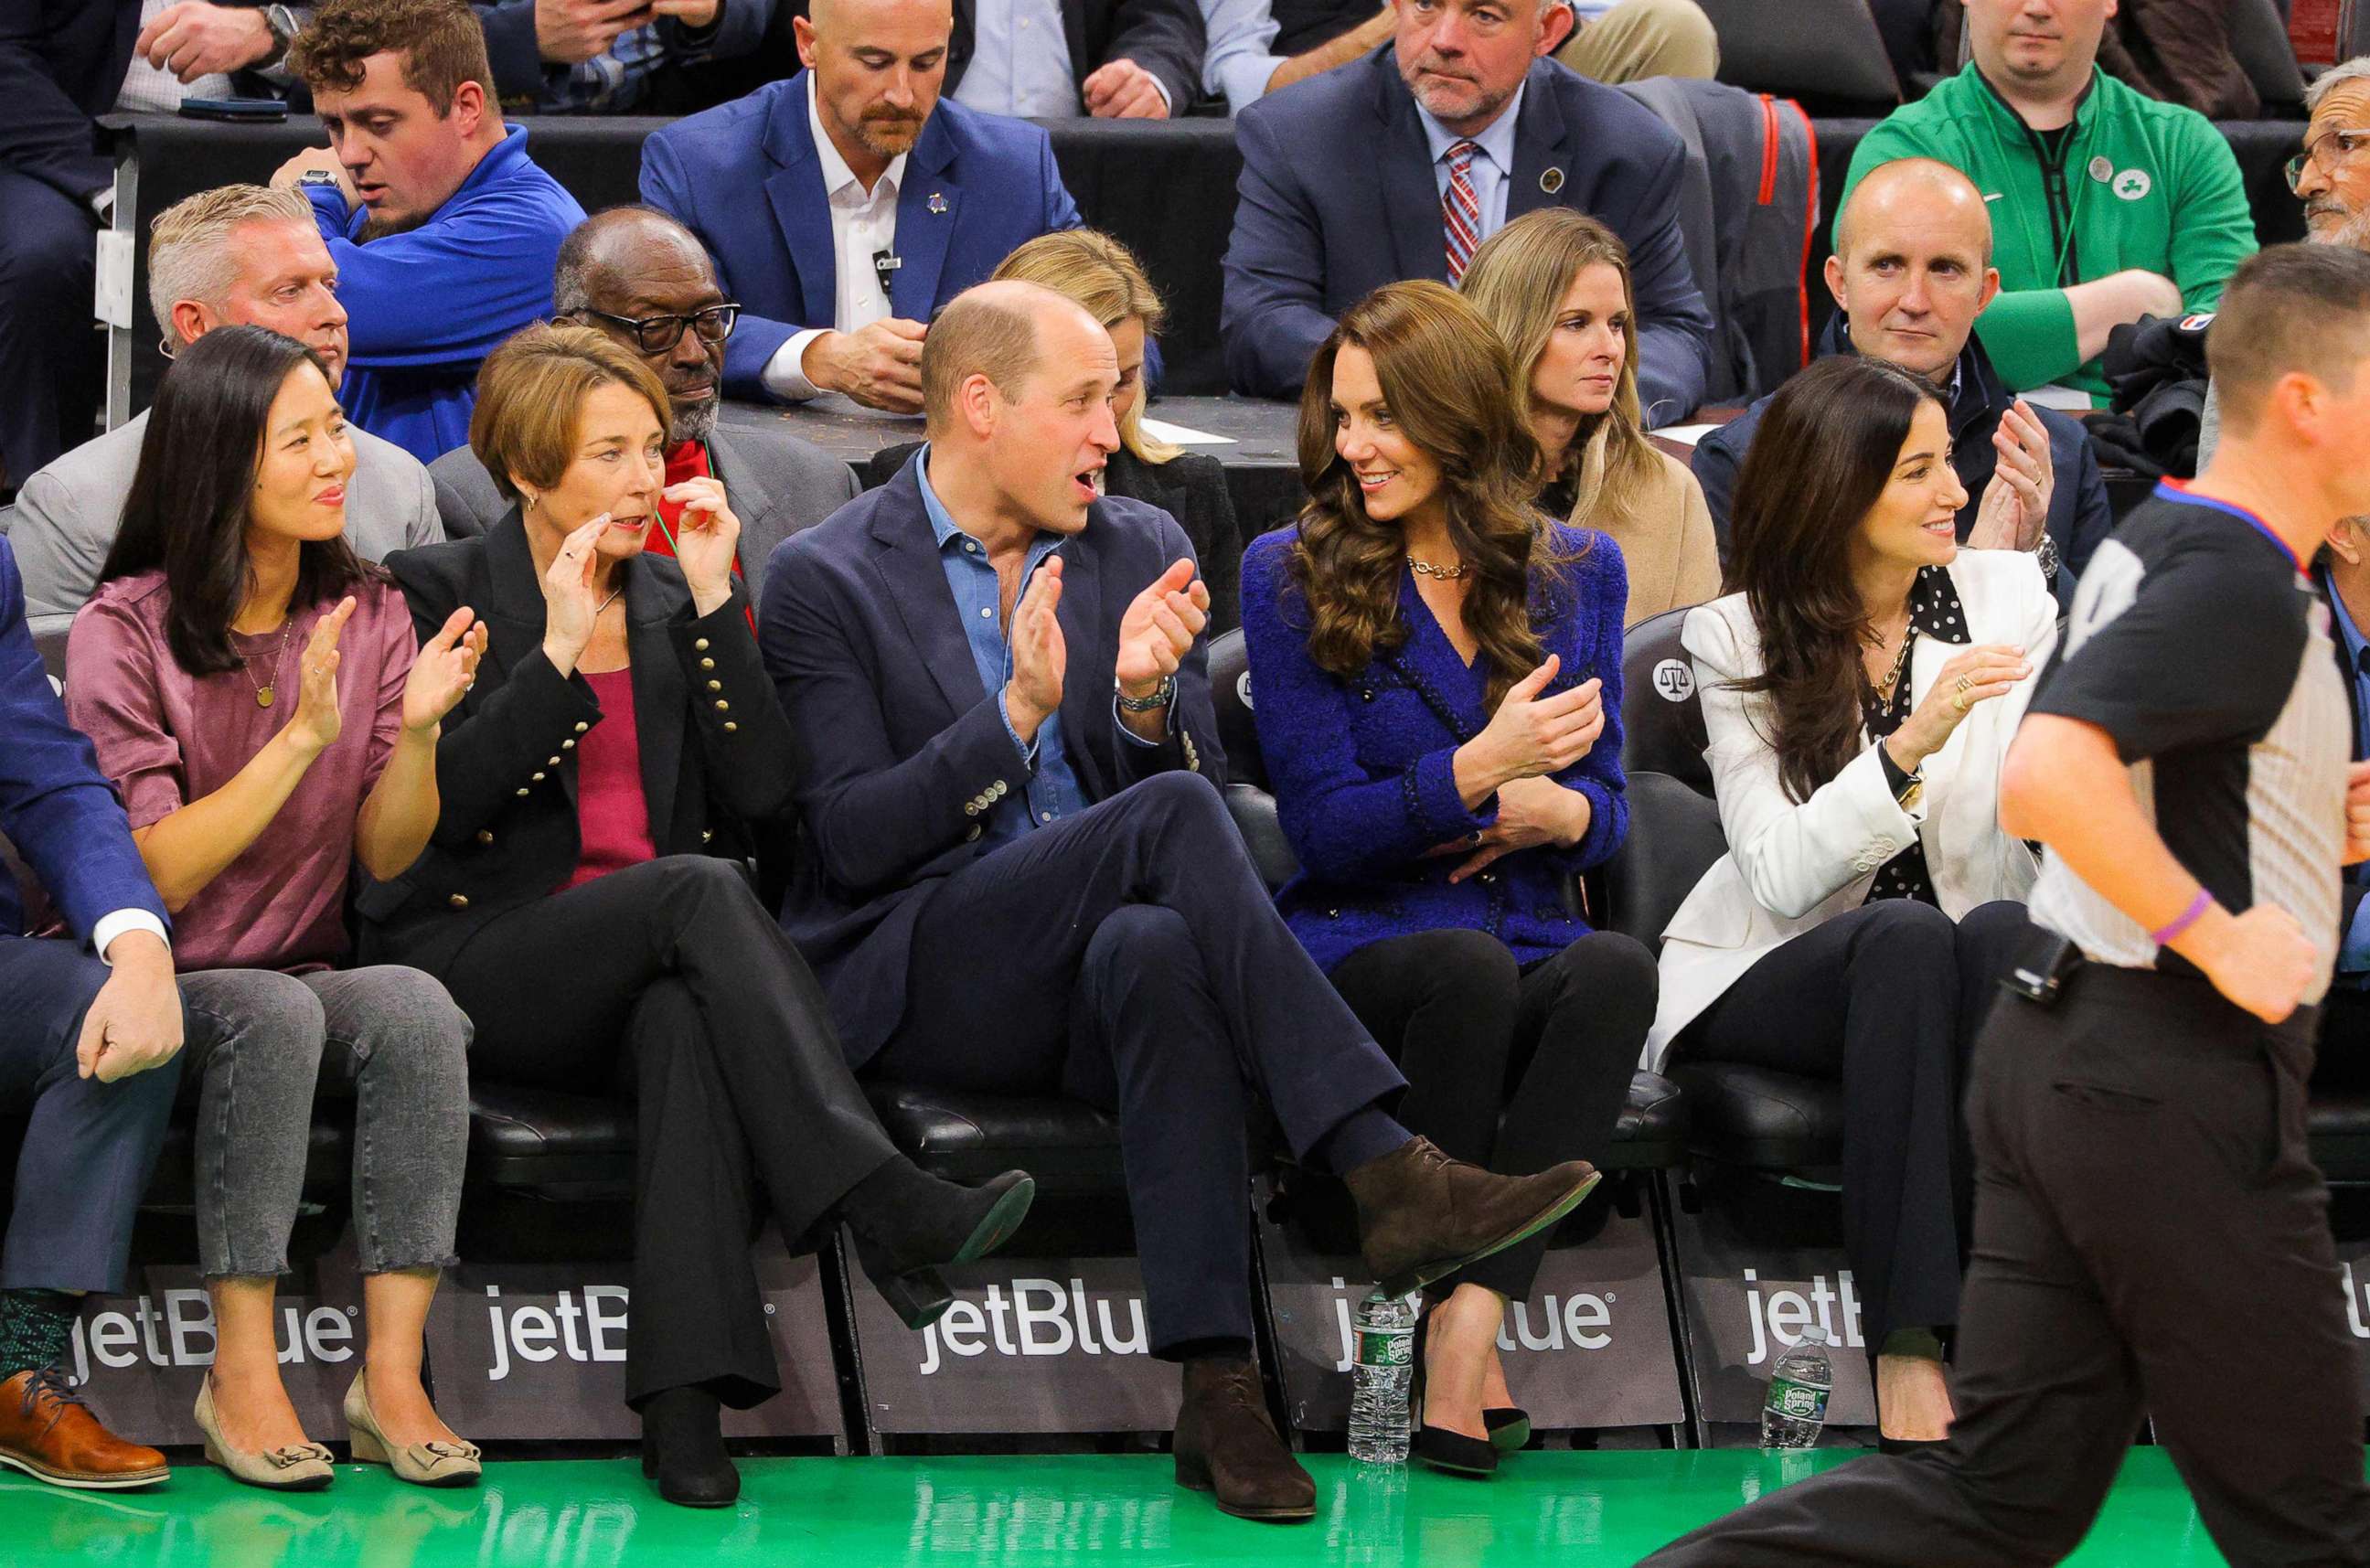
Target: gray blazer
x=778, y=484
x=68, y=513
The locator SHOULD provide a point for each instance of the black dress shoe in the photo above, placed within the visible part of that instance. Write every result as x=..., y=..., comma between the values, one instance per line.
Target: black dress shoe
x=1437, y=1447
x=1509, y=1427
x=683, y=1449
x=1225, y=1444
x=901, y=1257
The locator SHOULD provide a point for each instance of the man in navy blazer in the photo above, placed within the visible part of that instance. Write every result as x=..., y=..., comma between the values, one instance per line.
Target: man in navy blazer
x=1346, y=186
x=89, y=1029
x=1023, y=879
x=846, y=205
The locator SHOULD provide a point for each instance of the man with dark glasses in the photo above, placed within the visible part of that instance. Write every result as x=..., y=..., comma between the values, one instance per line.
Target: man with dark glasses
x=639, y=276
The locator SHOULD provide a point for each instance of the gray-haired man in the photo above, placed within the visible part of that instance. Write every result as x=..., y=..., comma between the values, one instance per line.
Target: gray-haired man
x=240, y=255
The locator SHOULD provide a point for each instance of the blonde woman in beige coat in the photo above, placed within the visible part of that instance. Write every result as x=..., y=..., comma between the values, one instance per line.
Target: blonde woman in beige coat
x=1556, y=284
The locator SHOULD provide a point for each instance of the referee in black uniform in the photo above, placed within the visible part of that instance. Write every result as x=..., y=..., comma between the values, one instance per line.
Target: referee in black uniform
x=2150, y=1235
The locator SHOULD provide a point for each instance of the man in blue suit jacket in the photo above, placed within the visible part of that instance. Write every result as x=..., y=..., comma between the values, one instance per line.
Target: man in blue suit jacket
x=1346, y=178
x=805, y=189
x=1023, y=878
x=88, y=1034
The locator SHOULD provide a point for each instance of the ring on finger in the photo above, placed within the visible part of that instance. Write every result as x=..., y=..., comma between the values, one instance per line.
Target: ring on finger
x=1964, y=682
x=1959, y=702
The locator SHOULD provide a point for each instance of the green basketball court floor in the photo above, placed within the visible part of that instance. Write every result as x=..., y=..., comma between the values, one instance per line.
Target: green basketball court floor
x=1544, y=1510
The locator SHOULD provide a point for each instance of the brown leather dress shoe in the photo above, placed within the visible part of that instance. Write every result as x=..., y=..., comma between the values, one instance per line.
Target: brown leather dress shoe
x=1421, y=1215
x=47, y=1432
x=1227, y=1445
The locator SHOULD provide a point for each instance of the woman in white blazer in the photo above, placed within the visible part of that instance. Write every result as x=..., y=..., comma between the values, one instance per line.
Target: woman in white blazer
x=1858, y=695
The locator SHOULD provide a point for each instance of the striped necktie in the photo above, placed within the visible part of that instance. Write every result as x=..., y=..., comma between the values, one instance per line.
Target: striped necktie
x=1460, y=211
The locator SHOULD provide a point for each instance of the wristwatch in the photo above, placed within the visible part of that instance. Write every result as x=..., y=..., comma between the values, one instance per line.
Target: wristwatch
x=320, y=179
x=1162, y=695
x=284, y=27
x=2045, y=555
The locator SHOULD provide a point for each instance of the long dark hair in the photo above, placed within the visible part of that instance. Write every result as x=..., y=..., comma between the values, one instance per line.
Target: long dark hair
x=187, y=510
x=1824, y=453
x=1450, y=384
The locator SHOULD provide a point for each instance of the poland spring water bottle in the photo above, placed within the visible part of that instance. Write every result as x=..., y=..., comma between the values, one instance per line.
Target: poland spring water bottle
x=1797, y=1406
x=1384, y=1336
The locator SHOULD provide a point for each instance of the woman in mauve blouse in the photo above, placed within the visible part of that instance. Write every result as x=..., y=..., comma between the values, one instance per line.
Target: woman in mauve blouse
x=254, y=691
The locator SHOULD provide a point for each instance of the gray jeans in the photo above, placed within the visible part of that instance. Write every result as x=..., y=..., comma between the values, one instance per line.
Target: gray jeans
x=259, y=1043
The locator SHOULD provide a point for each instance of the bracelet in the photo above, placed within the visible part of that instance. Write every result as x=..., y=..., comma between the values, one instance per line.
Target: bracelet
x=1160, y=698
x=2186, y=918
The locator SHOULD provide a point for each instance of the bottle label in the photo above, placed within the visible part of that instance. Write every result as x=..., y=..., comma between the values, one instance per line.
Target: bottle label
x=1385, y=1347
x=1798, y=1401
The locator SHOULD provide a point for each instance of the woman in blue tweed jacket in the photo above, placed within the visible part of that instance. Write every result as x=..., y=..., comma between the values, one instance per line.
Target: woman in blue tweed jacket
x=1437, y=678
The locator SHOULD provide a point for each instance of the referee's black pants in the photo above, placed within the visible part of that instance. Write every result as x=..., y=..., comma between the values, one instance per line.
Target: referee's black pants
x=2150, y=1236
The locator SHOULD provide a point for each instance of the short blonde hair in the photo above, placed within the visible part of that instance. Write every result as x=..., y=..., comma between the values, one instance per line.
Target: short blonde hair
x=531, y=394
x=1105, y=278
x=190, y=252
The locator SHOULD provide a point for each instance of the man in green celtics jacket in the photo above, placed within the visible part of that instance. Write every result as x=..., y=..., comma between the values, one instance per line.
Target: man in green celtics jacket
x=2106, y=206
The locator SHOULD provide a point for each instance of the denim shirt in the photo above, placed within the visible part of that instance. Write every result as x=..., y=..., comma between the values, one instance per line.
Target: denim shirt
x=1052, y=790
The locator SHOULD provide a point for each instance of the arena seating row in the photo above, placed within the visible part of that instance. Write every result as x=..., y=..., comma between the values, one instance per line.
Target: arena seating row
x=1165, y=186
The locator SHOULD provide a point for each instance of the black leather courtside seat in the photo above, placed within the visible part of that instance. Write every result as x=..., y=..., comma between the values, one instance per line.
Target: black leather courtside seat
x=1769, y=1121
x=2340, y=1121
x=1651, y=1133
x=1071, y=1148
x=547, y=1144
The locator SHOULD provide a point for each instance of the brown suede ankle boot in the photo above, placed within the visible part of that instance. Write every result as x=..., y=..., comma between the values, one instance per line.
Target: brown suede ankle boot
x=1227, y=1445
x=1421, y=1215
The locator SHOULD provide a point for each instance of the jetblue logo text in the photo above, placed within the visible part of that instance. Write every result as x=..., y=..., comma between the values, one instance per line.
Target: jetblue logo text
x=1041, y=1317
x=593, y=1330
x=1781, y=1319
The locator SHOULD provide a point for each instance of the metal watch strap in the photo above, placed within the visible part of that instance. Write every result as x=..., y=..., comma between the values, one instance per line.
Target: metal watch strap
x=1162, y=695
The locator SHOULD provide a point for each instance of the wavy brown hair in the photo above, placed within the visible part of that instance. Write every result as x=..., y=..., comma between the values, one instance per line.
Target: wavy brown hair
x=1518, y=279
x=1824, y=453
x=1450, y=386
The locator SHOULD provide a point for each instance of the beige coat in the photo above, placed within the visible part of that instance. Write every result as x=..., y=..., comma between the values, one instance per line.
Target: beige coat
x=1666, y=543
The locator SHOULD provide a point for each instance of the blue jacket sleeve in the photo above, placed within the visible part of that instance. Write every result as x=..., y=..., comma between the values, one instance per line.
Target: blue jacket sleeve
x=1598, y=776
x=55, y=806
x=1272, y=318
x=1345, y=822
x=447, y=292
x=511, y=48
x=1674, y=323
x=1060, y=212
x=876, y=819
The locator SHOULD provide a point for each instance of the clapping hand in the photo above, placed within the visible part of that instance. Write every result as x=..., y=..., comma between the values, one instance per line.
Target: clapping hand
x=1159, y=628
x=2015, y=506
x=1041, y=656
x=570, y=603
x=317, y=722
x=704, y=541
x=443, y=672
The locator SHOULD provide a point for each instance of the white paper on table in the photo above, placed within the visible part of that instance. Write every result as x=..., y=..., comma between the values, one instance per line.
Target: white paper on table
x=1686, y=435
x=1179, y=435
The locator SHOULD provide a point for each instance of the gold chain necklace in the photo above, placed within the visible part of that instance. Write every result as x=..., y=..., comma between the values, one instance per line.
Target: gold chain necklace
x=264, y=693
x=1443, y=573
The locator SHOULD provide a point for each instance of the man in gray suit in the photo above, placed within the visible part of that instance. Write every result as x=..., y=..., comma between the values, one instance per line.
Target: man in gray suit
x=238, y=255
x=642, y=278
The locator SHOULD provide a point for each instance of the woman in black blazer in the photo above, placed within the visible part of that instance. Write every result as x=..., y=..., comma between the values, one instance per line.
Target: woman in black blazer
x=586, y=899
x=1105, y=277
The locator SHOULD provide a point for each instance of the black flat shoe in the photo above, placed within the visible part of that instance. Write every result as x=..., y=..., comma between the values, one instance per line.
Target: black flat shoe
x=1509, y=1427
x=1441, y=1449
x=683, y=1449
x=906, y=1269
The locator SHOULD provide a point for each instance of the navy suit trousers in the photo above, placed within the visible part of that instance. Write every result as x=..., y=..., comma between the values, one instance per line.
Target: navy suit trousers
x=89, y=1147
x=1129, y=957
x=52, y=360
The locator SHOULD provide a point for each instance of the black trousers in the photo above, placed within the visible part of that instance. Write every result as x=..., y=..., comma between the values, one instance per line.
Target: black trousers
x=670, y=979
x=89, y=1147
x=2150, y=1235
x=1129, y=957
x=1515, y=1068
x=1887, y=998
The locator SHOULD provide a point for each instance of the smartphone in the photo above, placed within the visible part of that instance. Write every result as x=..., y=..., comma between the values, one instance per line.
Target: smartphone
x=243, y=109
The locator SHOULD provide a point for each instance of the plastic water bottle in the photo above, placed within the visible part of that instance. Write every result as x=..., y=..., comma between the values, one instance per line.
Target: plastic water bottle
x=1384, y=1333
x=1797, y=1407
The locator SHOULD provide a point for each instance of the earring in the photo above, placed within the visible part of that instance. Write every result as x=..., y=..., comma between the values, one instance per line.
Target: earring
x=531, y=500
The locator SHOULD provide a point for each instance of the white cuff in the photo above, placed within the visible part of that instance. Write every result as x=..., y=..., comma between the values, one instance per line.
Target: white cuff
x=783, y=375
x=111, y=927
x=1243, y=80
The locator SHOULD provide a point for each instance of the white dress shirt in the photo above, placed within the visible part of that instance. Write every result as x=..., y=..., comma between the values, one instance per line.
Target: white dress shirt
x=147, y=90
x=1493, y=163
x=111, y=927
x=1242, y=50
x=1021, y=61
x=862, y=223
